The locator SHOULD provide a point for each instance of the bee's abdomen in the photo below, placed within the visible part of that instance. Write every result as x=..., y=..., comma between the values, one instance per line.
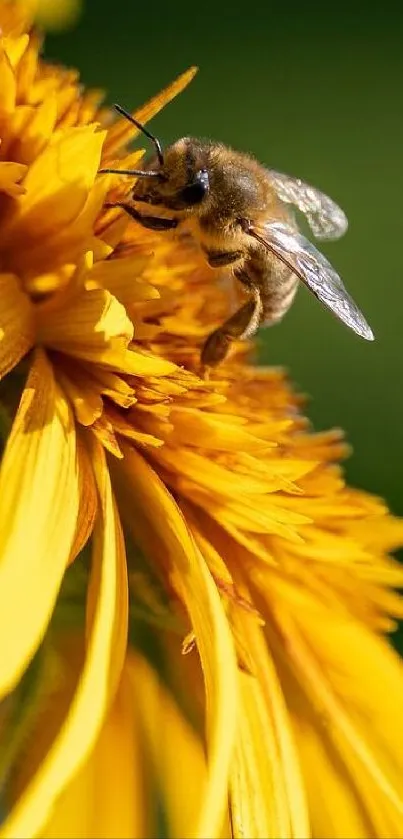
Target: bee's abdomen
x=278, y=286
x=277, y=297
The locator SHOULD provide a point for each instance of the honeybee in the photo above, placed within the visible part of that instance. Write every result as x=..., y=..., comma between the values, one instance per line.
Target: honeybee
x=240, y=214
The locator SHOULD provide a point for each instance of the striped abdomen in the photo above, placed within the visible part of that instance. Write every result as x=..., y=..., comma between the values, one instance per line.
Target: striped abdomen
x=278, y=285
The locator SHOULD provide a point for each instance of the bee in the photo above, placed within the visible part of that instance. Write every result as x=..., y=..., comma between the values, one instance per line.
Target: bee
x=240, y=214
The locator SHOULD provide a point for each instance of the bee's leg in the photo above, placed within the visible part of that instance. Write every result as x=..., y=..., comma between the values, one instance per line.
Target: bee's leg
x=240, y=325
x=217, y=259
x=150, y=222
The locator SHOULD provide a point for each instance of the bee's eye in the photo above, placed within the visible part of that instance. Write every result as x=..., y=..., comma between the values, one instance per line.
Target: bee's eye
x=196, y=191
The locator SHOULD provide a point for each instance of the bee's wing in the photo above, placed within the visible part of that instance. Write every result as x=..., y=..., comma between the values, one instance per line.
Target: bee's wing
x=293, y=249
x=325, y=218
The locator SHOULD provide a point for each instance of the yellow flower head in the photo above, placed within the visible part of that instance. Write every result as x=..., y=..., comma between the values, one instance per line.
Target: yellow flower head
x=241, y=545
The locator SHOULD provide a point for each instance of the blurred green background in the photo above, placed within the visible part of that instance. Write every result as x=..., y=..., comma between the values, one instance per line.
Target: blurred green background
x=316, y=92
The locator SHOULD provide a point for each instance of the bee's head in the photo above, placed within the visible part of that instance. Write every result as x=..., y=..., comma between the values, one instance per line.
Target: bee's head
x=176, y=180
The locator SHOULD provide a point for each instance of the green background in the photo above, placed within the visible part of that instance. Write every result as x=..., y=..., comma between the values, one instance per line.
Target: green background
x=316, y=92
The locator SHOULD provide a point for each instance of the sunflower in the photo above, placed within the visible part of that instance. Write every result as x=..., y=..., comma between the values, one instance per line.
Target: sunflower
x=199, y=518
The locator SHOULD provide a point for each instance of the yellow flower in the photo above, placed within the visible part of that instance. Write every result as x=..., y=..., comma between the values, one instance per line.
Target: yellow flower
x=245, y=548
x=53, y=15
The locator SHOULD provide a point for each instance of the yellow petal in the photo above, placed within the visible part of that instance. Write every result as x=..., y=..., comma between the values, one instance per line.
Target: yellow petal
x=355, y=684
x=8, y=87
x=122, y=424
x=335, y=809
x=107, y=796
x=91, y=324
x=88, y=500
x=15, y=18
x=83, y=396
x=99, y=248
x=131, y=362
x=54, y=201
x=258, y=807
x=116, y=183
x=122, y=277
x=87, y=324
x=39, y=504
x=10, y=175
x=118, y=390
x=136, y=362
x=171, y=746
x=267, y=793
x=31, y=127
x=64, y=243
x=43, y=284
x=16, y=323
x=194, y=428
x=155, y=521
x=15, y=48
x=108, y=537
x=144, y=752
x=211, y=475
x=106, y=644
x=105, y=433
x=28, y=66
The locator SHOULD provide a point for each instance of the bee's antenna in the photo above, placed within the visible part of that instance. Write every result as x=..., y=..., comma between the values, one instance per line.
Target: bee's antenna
x=154, y=140
x=135, y=173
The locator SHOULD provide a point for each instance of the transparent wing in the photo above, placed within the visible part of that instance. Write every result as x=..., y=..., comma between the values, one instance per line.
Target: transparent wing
x=294, y=250
x=325, y=218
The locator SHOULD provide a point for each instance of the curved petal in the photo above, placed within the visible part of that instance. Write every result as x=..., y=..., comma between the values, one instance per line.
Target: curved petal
x=334, y=805
x=267, y=790
x=144, y=751
x=53, y=203
x=92, y=320
x=94, y=326
x=39, y=504
x=10, y=175
x=8, y=90
x=354, y=683
x=156, y=522
x=16, y=323
x=170, y=746
x=31, y=128
x=88, y=500
x=258, y=806
x=110, y=547
x=106, y=644
x=108, y=796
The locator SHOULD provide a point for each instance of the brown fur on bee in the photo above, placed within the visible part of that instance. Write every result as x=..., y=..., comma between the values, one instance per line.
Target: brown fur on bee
x=239, y=214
